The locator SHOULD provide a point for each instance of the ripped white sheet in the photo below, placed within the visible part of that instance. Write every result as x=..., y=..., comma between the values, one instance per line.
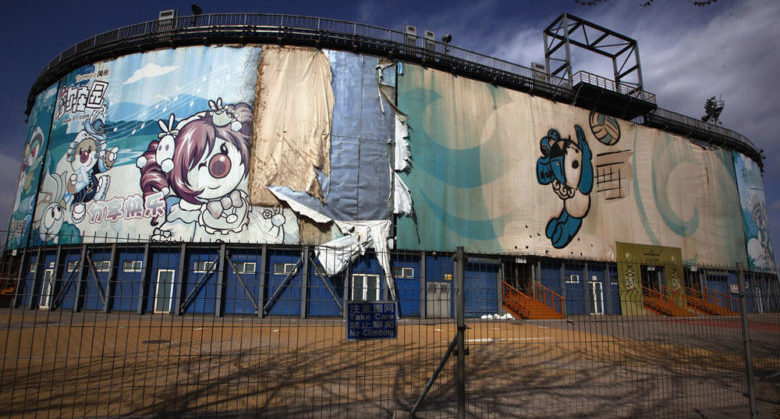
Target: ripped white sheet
x=403, y=152
x=402, y=198
x=336, y=255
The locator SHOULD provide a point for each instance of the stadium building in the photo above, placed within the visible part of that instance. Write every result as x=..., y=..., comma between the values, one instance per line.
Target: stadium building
x=275, y=165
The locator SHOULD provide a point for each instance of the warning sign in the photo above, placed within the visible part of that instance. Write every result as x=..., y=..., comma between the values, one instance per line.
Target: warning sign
x=371, y=320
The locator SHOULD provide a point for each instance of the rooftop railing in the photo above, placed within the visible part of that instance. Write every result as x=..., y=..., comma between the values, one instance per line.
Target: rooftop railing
x=627, y=89
x=245, y=28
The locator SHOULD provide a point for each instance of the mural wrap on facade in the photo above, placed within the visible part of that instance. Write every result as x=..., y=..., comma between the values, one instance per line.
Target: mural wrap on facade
x=38, y=127
x=206, y=144
x=760, y=251
x=156, y=145
x=481, y=177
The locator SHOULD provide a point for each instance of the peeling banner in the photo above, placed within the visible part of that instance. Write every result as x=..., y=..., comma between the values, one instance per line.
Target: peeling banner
x=292, y=124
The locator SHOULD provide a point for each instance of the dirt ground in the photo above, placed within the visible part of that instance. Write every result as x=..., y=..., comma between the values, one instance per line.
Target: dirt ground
x=95, y=364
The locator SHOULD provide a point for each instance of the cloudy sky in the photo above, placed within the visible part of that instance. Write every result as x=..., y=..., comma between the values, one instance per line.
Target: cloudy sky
x=688, y=53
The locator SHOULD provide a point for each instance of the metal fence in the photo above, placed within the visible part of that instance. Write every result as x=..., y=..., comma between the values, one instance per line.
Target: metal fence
x=140, y=329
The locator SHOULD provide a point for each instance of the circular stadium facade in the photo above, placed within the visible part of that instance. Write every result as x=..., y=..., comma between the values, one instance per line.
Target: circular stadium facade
x=282, y=165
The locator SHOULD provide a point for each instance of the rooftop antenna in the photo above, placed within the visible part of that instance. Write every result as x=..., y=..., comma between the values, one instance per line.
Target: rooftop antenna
x=196, y=10
x=713, y=107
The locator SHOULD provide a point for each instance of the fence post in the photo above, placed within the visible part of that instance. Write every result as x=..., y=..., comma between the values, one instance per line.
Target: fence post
x=746, y=340
x=460, y=379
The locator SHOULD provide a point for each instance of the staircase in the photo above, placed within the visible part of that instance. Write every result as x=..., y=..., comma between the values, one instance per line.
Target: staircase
x=712, y=302
x=525, y=306
x=663, y=304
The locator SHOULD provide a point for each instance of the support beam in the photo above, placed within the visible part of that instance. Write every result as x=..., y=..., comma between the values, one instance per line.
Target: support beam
x=57, y=273
x=584, y=285
x=79, y=279
x=423, y=289
x=176, y=306
x=19, y=276
x=36, y=280
x=499, y=286
x=263, y=276
x=145, y=273
x=93, y=272
x=110, y=279
x=305, y=280
x=220, y=280
x=345, y=292
x=563, y=285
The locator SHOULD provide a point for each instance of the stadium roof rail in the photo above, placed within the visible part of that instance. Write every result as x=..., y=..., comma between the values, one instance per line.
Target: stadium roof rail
x=244, y=28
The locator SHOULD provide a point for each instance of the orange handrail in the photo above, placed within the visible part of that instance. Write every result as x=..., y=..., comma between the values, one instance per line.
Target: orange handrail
x=515, y=300
x=722, y=299
x=550, y=297
x=8, y=283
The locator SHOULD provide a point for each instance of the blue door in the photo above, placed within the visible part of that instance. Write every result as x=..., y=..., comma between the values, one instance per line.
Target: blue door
x=613, y=292
x=439, y=269
x=95, y=282
x=27, y=289
x=406, y=271
x=162, y=281
x=285, y=278
x=129, y=274
x=65, y=288
x=199, y=285
x=242, y=282
x=575, y=289
x=325, y=293
x=480, y=293
x=551, y=277
x=596, y=290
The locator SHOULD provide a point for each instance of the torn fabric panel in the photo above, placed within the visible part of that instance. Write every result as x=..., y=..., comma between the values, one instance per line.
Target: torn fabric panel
x=293, y=117
x=402, y=155
x=298, y=207
x=402, y=198
x=336, y=255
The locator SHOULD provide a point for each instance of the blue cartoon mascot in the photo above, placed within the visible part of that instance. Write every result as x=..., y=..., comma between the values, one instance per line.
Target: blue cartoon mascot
x=567, y=166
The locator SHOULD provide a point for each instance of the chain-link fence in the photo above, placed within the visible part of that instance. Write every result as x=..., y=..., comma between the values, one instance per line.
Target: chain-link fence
x=145, y=329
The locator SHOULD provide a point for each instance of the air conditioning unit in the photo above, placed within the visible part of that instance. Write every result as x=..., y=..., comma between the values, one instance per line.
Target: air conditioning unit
x=167, y=14
x=539, y=72
x=430, y=40
x=410, y=35
x=166, y=20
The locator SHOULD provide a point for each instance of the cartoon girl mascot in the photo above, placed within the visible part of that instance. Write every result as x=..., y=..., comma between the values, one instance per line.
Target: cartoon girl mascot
x=199, y=163
x=88, y=155
x=567, y=166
